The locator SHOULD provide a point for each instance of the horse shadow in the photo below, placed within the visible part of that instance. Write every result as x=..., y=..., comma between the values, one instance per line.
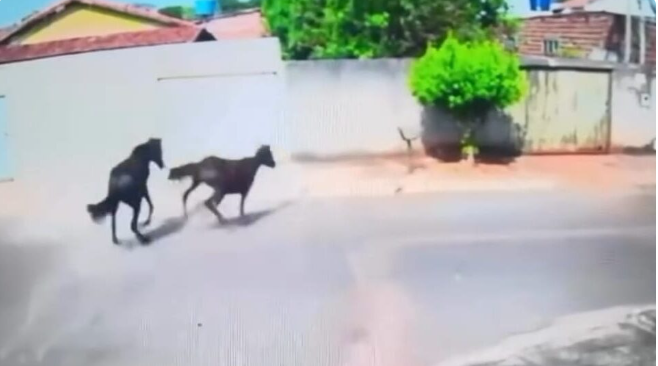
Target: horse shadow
x=253, y=217
x=167, y=228
x=174, y=225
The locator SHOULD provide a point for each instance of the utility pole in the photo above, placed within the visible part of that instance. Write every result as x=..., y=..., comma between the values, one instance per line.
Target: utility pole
x=642, y=33
x=627, y=35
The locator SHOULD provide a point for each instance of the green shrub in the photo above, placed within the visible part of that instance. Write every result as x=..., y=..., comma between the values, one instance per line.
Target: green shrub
x=467, y=79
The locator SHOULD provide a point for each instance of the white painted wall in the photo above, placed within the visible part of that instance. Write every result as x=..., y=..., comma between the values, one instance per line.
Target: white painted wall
x=348, y=106
x=85, y=112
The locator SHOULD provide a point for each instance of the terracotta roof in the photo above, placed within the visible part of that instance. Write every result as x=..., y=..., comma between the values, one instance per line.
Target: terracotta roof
x=244, y=24
x=14, y=53
x=5, y=31
x=136, y=11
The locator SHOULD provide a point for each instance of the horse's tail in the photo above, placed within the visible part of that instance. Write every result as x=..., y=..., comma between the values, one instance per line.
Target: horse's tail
x=101, y=209
x=187, y=170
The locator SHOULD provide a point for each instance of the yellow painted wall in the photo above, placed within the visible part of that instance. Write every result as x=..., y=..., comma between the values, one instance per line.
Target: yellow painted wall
x=81, y=21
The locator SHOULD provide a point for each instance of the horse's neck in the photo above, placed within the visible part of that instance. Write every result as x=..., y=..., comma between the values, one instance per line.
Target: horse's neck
x=254, y=164
x=141, y=159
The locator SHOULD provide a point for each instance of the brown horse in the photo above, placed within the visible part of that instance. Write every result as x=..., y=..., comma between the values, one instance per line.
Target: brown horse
x=224, y=176
x=128, y=185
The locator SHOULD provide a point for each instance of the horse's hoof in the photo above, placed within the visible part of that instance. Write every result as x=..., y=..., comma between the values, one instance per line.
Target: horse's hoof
x=116, y=241
x=145, y=240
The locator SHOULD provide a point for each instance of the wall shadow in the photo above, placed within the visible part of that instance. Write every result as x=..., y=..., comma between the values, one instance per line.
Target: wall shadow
x=648, y=149
x=500, y=139
x=440, y=135
x=366, y=157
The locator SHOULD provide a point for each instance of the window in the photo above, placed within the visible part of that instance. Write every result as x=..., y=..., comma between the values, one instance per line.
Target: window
x=512, y=42
x=551, y=46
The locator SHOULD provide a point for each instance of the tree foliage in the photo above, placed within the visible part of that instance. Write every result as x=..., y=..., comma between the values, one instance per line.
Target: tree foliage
x=312, y=29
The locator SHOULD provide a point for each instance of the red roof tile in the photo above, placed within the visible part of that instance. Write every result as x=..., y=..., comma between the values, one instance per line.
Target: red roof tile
x=136, y=11
x=14, y=53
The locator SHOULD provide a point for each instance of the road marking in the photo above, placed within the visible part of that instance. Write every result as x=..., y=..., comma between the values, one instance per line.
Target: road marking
x=523, y=235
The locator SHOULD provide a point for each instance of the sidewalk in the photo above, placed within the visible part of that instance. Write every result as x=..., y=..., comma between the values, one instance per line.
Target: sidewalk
x=31, y=207
x=383, y=177
x=614, y=337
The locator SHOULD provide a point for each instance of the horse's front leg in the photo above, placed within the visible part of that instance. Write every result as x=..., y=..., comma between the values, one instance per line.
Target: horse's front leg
x=148, y=201
x=243, y=198
x=213, y=202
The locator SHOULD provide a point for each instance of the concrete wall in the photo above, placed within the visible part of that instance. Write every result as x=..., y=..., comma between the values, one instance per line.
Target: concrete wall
x=84, y=113
x=355, y=106
x=348, y=106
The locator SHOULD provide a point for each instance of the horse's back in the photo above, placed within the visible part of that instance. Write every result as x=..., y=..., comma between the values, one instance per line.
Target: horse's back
x=127, y=175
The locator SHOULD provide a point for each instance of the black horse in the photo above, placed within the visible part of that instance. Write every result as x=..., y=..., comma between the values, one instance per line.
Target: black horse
x=224, y=176
x=128, y=185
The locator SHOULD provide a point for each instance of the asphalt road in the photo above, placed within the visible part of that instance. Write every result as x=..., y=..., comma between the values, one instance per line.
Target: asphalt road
x=406, y=280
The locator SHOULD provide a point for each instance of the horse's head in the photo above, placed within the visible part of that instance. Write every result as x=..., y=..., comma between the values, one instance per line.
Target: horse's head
x=264, y=156
x=155, y=152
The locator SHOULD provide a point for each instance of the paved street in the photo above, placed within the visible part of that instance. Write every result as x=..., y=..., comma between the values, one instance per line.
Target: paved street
x=404, y=280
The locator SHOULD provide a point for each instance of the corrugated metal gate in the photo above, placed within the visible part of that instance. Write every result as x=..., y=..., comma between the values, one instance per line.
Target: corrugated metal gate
x=566, y=111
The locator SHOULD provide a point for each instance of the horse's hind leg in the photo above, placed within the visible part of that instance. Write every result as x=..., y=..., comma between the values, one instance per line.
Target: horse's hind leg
x=114, y=224
x=148, y=201
x=194, y=185
x=136, y=206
